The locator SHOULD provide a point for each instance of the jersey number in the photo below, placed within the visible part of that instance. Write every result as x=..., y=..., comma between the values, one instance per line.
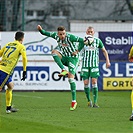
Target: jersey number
x=9, y=50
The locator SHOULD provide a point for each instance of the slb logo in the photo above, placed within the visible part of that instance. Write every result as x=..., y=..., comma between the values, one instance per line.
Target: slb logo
x=38, y=73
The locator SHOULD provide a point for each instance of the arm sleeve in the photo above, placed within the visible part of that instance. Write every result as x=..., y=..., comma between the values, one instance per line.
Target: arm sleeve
x=49, y=34
x=76, y=38
x=100, y=44
x=1, y=51
x=80, y=46
x=24, y=58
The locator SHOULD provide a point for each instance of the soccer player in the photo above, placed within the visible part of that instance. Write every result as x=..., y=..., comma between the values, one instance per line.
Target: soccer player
x=90, y=66
x=131, y=60
x=10, y=54
x=63, y=56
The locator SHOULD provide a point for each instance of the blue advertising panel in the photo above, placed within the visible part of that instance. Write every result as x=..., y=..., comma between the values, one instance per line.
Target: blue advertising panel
x=34, y=73
x=117, y=77
x=117, y=44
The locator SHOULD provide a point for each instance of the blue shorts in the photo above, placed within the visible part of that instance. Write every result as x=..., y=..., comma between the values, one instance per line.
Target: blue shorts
x=4, y=79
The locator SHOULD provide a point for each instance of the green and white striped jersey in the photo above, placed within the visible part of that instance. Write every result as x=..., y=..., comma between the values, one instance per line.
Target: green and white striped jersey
x=91, y=53
x=67, y=46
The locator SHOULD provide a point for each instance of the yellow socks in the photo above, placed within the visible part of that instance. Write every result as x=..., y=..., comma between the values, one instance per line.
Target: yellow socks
x=8, y=97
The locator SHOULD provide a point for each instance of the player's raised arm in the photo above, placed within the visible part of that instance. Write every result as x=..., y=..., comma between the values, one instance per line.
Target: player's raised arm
x=74, y=38
x=46, y=33
x=39, y=27
x=106, y=57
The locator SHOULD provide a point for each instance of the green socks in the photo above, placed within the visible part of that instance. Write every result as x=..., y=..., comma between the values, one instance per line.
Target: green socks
x=73, y=88
x=95, y=94
x=87, y=92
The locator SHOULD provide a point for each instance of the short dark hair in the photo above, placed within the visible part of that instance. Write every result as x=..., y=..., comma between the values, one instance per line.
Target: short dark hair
x=90, y=27
x=61, y=28
x=19, y=35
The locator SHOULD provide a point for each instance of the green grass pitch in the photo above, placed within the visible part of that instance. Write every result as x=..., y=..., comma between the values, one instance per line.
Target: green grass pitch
x=48, y=112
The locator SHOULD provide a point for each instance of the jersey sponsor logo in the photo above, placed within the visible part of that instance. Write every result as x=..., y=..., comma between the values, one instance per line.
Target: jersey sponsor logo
x=3, y=64
x=88, y=48
x=5, y=61
x=12, y=44
x=64, y=45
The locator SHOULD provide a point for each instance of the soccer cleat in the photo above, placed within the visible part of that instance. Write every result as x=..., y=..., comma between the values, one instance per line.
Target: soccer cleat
x=8, y=111
x=14, y=109
x=90, y=104
x=73, y=106
x=131, y=118
x=95, y=106
x=63, y=73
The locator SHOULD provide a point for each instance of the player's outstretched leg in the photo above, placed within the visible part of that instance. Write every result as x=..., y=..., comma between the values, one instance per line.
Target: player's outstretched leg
x=57, y=58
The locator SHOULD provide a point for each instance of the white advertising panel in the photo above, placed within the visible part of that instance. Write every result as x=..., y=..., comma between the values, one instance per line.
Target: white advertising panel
x=43, y=76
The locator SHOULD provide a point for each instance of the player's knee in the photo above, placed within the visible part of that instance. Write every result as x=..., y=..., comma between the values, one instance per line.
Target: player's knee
x=94, y=85
x=10, y=86
x=86, y=85
x=54, y=52
x=71, y=80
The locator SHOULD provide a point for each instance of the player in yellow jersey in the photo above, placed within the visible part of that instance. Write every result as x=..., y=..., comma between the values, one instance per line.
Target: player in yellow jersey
x=131, y=60
x=10, y=54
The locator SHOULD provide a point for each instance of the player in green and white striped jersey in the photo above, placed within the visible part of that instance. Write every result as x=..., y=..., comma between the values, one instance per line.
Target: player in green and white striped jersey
x=63, y=56
x=90, y=65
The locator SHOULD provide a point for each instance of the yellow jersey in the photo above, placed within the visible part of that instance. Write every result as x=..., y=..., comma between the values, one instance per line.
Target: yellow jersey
x=10, y=54
x=131, y=52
